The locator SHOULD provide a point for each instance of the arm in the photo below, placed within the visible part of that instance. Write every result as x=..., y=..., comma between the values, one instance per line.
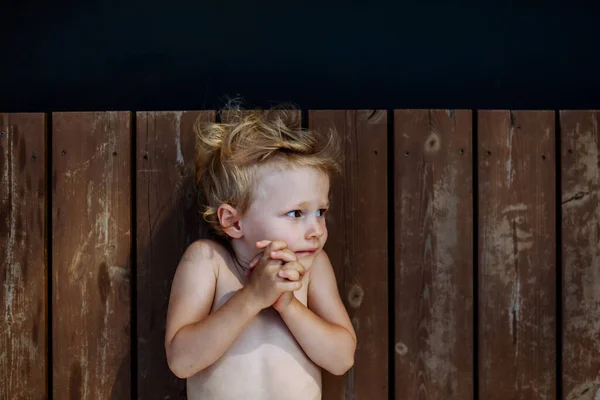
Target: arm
x=324, y=331
x=194, y=338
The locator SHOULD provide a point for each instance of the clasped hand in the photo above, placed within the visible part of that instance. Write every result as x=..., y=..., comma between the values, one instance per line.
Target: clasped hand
x=274, y=275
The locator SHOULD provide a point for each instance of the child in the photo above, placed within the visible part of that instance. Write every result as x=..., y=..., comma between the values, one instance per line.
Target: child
x=255, y=313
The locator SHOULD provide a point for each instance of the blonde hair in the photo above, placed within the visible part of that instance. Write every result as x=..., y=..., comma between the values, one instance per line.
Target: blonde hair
x=229, y=155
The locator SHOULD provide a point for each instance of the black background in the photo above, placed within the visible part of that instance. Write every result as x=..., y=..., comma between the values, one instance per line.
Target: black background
x=167, y=55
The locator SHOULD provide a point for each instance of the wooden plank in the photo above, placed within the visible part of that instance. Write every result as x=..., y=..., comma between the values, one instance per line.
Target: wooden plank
x=91, y=232
x=580, y=156
x=517, y=258
x=357, y=246
x=23, y=256
x=294, y=117
x=168, y=221
x=434, y=254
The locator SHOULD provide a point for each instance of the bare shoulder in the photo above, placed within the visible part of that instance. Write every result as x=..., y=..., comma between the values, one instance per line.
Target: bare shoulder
x=203, y=253
x=321, y=264
x=321, y=276
x=323, y=294
x=194, y=284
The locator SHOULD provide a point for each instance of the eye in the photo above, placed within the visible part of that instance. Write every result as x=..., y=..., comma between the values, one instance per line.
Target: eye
x=322, y=211
x=296, y=214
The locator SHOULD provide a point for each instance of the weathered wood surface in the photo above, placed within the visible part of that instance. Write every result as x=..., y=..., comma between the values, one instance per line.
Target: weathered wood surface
x=168, y=220
x=91, y=236
x=433, y=344
x=517, y=255
x=434, y=254
x=23, y=257
x=358, y=247
x=580, y=198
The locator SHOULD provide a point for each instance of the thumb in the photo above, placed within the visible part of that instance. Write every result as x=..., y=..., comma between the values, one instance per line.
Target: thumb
x=253, y=264
x=261, y=244
x=254, y=261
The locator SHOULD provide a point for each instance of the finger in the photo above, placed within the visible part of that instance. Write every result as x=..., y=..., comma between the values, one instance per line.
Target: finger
x=285, y=255
x=272, y=266
x=296, y=266
x=252, y=265
x=289, y=274
x=275, y=245
x=255, y=260
x=289, y=286
x=261, y=244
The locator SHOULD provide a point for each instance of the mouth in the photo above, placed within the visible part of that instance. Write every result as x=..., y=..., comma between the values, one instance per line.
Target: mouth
x=306, y=252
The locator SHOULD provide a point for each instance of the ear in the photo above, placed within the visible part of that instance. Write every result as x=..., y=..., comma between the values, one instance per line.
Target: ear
x=229, y=219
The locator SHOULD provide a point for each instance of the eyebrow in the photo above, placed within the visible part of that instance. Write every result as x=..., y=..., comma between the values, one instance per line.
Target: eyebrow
x=305, y=203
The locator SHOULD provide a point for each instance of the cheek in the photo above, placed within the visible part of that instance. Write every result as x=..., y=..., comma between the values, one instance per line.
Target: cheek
x=288, y=232
x=256, y=229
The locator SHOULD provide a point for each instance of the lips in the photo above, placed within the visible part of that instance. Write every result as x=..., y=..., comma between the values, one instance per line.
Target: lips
x=306, y=252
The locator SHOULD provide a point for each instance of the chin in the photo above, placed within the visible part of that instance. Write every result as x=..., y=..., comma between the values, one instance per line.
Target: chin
x=306, y=262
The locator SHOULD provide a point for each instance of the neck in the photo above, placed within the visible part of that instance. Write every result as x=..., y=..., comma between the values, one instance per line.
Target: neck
x=243, y=252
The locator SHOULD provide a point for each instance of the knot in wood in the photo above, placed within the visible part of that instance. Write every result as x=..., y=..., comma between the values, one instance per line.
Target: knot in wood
x=355, y=296
x=432, y=144
x=401, y=349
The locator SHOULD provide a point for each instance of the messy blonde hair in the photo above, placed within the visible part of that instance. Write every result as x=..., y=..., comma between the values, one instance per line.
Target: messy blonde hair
x=229, y=155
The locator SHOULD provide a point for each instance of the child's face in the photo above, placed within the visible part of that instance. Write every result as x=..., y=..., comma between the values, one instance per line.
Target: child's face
x=289, y=205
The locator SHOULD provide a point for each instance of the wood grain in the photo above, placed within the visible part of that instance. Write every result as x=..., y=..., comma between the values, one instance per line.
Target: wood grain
x=91, y=234
x=23, y=257
x=517, y=255
x=580, y=198
x=168, y=221
x=434, y=254
x=358, y=247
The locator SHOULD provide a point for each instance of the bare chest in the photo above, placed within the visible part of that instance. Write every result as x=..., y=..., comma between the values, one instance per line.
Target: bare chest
x=266, y=328
x=265, y=361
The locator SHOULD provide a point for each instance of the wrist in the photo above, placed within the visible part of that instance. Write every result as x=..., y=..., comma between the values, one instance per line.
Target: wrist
x=291, y=308
x=249, y=300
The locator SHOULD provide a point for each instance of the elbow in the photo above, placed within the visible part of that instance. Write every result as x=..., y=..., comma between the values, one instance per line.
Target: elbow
x=177, y=364
x=346, y=362
x=177, y=370
x=180, y=370
x=178, y=373
x=183, y=364
x=343, y=366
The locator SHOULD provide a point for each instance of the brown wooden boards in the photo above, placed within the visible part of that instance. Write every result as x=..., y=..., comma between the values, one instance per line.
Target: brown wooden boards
x=433, y=352
x=517, y=255
x=91, y=235
x=434, y=254
x=357, y=246
x=580, y=156
x=23, y=256
x=167, y=222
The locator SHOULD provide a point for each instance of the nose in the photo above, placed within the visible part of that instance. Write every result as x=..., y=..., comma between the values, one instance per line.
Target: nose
x=315, y=228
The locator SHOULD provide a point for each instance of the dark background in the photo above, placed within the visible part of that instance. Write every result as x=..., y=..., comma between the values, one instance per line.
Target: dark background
x=167, y=55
